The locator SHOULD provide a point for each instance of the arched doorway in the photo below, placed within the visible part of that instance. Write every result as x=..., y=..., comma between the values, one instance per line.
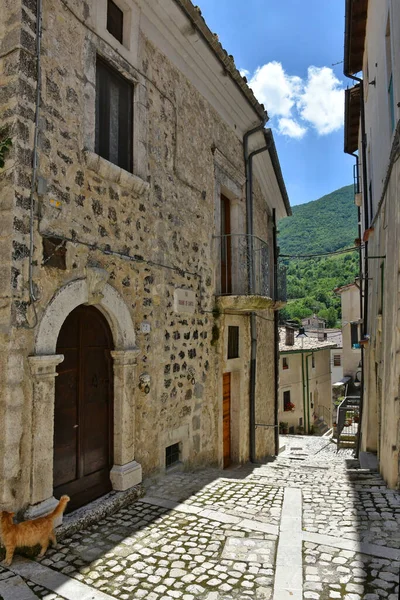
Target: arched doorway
x=83, y=413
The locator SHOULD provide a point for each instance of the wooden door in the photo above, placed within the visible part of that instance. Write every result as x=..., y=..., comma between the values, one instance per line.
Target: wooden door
x=83, y=416
x=226, y=247
x=226, y=419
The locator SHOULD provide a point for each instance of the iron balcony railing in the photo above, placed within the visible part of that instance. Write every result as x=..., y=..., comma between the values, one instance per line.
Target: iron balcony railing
x=281, y=287
x=244, y=265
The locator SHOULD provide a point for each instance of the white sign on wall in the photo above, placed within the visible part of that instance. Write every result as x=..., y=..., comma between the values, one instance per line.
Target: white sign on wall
x=184, y=301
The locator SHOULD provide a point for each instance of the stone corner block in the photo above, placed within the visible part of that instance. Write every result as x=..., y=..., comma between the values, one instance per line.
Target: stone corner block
x=126, y=476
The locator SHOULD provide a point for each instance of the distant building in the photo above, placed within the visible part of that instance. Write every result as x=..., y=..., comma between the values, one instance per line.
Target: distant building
x=305, y=392
x=351, y=329
x=313, y=322
x=334, y=336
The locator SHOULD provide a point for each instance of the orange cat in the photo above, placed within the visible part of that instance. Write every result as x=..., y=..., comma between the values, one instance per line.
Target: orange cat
x=29, y=533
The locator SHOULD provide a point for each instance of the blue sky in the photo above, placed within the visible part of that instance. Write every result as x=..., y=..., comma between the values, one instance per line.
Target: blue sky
x=287, y=48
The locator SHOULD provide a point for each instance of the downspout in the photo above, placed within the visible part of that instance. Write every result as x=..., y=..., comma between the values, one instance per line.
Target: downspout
x=253, y=325
x=308, y=392
x=276, y=335
x=364, y=280
x=304, y=395
x=32, y=297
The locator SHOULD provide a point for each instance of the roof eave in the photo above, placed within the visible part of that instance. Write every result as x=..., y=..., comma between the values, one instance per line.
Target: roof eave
x=353, y=57
x=269, y=138
x=193, y=13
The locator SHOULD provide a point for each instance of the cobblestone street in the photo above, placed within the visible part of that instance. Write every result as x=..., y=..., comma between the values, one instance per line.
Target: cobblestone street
x=309, y=525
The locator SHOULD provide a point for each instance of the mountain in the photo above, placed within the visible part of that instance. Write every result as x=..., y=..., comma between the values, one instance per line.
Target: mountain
x=323, y=225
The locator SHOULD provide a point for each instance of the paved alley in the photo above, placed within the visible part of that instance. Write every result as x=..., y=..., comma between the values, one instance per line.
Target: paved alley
x=309, y=525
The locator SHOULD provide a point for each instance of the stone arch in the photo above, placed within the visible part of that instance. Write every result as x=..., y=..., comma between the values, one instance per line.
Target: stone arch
x=79, y=292
x=93, y=290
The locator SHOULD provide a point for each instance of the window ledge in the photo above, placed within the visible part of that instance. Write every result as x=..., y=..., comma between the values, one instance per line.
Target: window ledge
x=111, y=172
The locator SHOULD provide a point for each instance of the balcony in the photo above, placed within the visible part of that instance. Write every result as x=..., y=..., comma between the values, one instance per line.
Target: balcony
x=246, y=279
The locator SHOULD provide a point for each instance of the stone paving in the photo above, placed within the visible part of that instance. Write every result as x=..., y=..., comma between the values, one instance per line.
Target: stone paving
x=308, y=525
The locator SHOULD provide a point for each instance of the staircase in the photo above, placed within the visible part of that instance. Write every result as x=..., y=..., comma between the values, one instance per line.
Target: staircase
x=320, y=426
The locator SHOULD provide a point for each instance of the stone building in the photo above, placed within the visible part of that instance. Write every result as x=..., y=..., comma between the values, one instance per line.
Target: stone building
x=372, y=136
x=138, y=278
x=304, y=380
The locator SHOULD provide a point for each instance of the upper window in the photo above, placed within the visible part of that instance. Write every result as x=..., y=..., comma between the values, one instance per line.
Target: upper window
x=313, y=361
x=285, y=363
x=114, y=113
x=354, y=334
x=233, y=341
x=337, y=360
x=115, y=20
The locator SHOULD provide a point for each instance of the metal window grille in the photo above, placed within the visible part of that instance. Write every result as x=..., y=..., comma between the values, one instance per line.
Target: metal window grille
x=115, y=20
x=233, y=341
x=114, y=114
x=337, y=360
x=172, y=455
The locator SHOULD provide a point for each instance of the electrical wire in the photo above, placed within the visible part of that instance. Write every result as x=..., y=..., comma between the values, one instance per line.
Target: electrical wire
x=336, y=252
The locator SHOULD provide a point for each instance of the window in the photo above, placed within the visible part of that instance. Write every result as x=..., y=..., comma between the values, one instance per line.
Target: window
x=289, y=341
x=285, y=363
x=226, y=247
x=54, y=253
x=114, y=112
x=233, y=342
x=337, y=360
x=354, y=334
x=172, y=455
x=321, y=325
x=287, y=405
x=115, y=20
x=313, y=361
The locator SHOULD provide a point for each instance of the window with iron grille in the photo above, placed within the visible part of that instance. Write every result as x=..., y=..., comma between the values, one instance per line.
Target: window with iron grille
x=115, y=20
x=337, y=360
x=114, y=114
x=233, y=342
x=285, y=363
x=172, y=455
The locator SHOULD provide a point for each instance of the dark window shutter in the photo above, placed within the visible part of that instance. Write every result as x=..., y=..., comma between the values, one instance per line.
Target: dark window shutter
x=115, y=20
x=114, y=116
x=233, y=342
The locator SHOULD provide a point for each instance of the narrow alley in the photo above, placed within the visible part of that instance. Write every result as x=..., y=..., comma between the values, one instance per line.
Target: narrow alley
x=310, y=524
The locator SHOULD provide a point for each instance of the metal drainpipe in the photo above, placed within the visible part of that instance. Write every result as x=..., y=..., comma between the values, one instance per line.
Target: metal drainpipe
x=32, y=296
x=304, y=394
x=253, y=325
x=308, y=392
x=276, y=337
x=364, y=280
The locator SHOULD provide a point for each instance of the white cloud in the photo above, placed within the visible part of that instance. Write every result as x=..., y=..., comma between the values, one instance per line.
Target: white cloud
x=291, y=128
x=322, y=102
x=298, y=104
x=277, y=90
x=244, y=72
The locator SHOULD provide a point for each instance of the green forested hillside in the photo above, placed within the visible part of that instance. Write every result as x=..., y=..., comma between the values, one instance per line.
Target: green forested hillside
x=324, y=225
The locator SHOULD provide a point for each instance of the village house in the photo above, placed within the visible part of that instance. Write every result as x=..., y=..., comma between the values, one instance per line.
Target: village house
x=372, y=136
x=313, y=322
x=139, y=284
x=351, y=329
x=305, y=401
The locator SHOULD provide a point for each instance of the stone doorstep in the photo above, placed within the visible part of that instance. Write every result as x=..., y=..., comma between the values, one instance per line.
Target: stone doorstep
x=98, y=509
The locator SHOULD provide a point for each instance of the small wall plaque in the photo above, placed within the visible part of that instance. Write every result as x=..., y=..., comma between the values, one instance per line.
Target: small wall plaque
x=184, y=301
x=145, y=327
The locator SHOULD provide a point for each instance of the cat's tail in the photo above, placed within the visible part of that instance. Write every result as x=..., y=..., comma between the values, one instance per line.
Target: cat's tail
x=59, y=509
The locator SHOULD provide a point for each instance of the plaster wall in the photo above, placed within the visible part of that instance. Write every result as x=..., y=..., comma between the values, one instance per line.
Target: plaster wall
x=381, y=417
x=350, y=300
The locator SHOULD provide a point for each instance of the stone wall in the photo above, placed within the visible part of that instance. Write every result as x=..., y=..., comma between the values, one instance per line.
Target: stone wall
x=151, y=231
